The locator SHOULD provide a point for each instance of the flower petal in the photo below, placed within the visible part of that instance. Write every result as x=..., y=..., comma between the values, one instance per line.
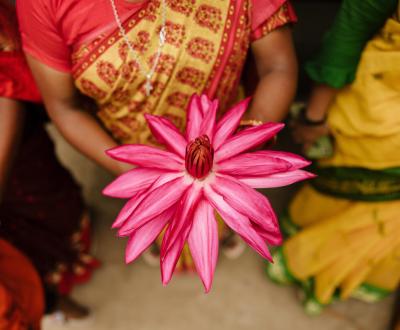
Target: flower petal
x=128, y=209
x=155, y=202
x=253, y=164
x=166, y=133
x=169, y=261
x=131, y=182
x=177, y=233
x=247, y=139
x=205, y=103
x=194, y=118
x=274, y=239
x=146, y=156
x=230, y=122
x=144, y=236
x=277, y=180
x=133, y=203
x=184, y=217
x=237, y=222
x=203, y=242
x=296, y=161
x=247, y=201
x=208, y=124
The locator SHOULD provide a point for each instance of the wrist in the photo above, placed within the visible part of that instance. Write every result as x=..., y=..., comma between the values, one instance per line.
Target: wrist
x=311, y=119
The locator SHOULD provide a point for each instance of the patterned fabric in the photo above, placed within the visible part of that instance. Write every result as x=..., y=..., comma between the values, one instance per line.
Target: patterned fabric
x=283, y=16
x=205, y=50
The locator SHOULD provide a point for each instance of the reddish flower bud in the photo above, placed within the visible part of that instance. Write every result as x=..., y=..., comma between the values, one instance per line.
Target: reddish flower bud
x=199, y=157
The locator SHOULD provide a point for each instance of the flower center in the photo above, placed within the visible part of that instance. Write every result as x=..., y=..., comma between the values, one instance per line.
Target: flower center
x=199, y=157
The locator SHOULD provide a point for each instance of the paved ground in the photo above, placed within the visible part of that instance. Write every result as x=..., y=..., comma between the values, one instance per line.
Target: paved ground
x=132, y=297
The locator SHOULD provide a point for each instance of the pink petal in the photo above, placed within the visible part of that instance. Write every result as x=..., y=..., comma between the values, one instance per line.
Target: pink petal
x=274, y=239
x=247, y=201
x=253, y=164
x=169, y=261
x=247, y=139
x=177, y=233
x=184, y=217
x=129, y=183
x=205, y=103
x=277, y=180
x=143, y=237
x=166, y=133
x=128, y=209
x=194, y=118
x=208, y=124
x=237, y=222
x=133, y=203
x=155, y=202
x=146, y=156
x=295, y=160
x=229, y=123
x=203, y=242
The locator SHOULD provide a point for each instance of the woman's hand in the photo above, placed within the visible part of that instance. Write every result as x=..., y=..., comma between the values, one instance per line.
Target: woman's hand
x=307, y=135
x=311, y=123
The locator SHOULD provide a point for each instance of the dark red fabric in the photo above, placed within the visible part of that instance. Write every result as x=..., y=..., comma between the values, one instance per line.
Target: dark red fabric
x=42, y=210
x=16, y=81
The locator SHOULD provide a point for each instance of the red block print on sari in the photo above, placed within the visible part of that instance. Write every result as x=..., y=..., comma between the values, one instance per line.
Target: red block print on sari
x=201, y=48
x=209, y=17
x=184, y=7
x=107, y=72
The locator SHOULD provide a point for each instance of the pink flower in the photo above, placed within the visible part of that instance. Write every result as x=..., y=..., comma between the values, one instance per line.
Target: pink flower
x=206, y=170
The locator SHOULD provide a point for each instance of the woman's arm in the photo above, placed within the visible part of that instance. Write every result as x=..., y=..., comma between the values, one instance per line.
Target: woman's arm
x=79, y=128
x=11, y=122
x=277, y=69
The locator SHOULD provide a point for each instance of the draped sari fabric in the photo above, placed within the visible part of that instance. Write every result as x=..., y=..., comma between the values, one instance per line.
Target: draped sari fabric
x=344, y=228
x=206, y=46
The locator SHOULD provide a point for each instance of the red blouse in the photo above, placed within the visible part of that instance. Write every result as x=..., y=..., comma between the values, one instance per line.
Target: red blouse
x=52, y=29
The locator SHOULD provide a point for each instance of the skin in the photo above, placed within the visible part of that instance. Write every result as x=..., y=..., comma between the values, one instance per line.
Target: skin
x=277, y=70
x=276, y=65
x=318, y=106
x=11, y=123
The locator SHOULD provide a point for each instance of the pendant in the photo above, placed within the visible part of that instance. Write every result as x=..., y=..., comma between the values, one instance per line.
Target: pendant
x=148, y=86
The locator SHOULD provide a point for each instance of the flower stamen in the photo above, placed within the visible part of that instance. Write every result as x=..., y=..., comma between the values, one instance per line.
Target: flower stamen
x=199, y=157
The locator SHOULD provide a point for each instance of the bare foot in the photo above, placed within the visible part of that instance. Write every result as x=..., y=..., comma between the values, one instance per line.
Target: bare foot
x=71, y=309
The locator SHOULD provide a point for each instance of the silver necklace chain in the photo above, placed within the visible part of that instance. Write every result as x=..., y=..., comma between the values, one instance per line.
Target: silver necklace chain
x=162, y=37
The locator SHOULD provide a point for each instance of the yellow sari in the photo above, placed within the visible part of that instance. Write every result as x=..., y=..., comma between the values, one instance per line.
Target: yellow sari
x=344, y=228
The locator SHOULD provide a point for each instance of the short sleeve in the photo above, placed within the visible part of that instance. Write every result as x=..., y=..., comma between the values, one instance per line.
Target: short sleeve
x=40, y=35
x=357, y=21
x=268, y=15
